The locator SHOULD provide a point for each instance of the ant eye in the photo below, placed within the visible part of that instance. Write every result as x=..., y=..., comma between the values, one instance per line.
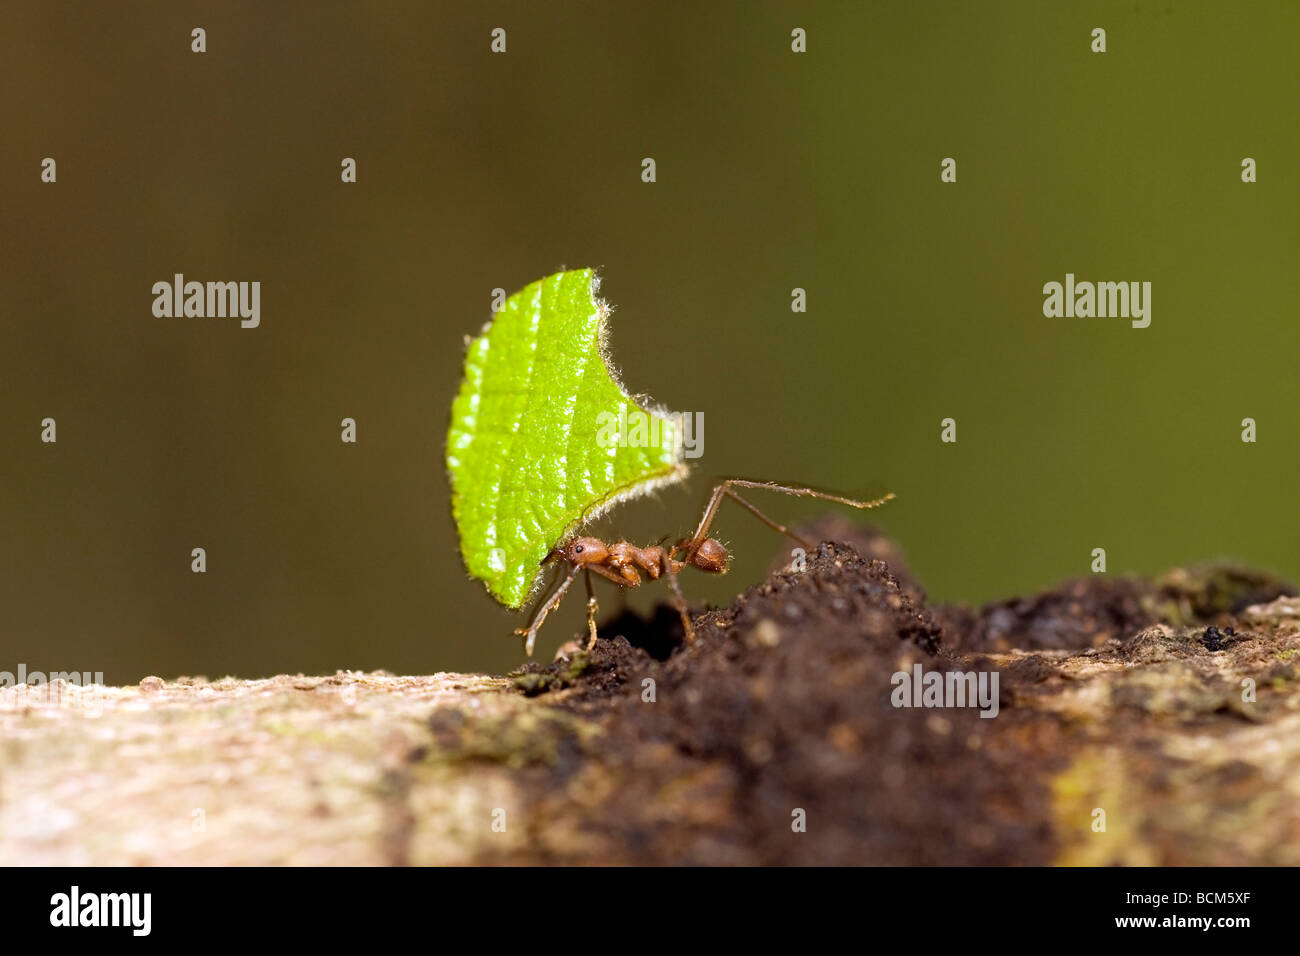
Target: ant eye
x=578, y=550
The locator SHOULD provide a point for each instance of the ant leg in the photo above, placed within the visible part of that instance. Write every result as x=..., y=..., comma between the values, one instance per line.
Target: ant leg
x=592, y=608
x=711, y=512
x=706, y=521
x=687, y=627
x=775, y=526
x=724, y=490
x=545, y=608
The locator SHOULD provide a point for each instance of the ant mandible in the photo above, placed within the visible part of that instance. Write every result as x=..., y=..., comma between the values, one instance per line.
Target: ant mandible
x=622, y=562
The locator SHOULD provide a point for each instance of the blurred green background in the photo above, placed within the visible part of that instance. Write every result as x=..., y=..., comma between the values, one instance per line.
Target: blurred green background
x=775, y=170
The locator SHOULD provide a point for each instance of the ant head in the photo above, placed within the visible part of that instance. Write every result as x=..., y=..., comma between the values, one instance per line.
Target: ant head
x=582, y=551
x=711, y=556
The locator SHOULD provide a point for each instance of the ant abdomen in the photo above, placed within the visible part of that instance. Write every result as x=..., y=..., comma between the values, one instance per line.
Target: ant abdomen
x=711, y=556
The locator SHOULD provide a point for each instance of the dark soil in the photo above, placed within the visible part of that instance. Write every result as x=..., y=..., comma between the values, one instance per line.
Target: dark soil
x=781, y=711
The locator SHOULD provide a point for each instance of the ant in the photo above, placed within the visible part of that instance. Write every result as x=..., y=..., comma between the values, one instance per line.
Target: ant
x=622, y=562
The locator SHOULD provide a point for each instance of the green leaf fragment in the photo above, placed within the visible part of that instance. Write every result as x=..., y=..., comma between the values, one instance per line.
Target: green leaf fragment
x=529, y=451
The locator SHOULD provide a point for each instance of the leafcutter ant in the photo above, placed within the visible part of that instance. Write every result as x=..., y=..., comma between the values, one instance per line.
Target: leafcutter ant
x=623, y=562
